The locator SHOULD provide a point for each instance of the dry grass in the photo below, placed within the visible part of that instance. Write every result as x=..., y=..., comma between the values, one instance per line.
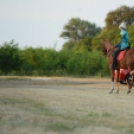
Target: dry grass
x=64, y=105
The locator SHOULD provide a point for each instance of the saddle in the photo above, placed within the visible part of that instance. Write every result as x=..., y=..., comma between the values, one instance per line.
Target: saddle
x=121, y=55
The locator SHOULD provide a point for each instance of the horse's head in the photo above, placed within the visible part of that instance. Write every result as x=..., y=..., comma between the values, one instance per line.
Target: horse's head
x=104, y=48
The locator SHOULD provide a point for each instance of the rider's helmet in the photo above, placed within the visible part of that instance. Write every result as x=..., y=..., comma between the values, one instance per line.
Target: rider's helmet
x=122, y=25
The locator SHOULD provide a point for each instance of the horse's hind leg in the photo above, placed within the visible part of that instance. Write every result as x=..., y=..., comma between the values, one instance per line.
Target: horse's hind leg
x=130, y=80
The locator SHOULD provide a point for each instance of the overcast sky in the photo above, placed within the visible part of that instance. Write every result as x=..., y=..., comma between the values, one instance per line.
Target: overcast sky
x=38, y=23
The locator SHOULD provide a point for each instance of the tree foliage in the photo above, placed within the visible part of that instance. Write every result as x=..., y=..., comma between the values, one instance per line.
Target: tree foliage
x=39, y=61
x=85, y=63
x=9, y=57
x=115, y=17
x=111, y=30
x=112, y=35
x=77, y=29
x=83, y=44
x=68, y=45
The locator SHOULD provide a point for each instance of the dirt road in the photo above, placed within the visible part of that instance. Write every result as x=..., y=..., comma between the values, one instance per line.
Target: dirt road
x=38, y=105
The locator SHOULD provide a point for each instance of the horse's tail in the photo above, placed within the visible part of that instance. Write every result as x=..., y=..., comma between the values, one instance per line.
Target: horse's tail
x=132, y=53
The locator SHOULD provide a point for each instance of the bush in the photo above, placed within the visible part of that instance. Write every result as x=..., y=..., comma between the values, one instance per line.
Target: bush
x=49, y=62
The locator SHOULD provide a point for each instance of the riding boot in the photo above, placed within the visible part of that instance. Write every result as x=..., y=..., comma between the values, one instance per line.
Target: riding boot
x=115, y=62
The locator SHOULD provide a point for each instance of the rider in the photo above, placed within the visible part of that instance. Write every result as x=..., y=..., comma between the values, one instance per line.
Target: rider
x=122, y=45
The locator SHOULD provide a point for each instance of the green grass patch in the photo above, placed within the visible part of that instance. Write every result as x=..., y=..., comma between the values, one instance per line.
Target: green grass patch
x=60, y=127
x=106, y=114
x=91, y=114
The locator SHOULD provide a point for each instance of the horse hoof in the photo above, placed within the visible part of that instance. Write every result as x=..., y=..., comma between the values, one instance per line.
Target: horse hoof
x=117, y=92
x=111, y=91
x=130, y=85
x=129, y=91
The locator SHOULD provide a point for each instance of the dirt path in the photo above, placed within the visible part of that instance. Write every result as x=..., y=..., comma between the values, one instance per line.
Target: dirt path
x=64, y=105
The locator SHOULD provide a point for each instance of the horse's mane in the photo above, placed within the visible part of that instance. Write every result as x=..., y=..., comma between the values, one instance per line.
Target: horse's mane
x=109, y=44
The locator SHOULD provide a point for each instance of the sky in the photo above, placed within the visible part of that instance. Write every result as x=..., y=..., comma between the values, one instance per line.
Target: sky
x=39, y=23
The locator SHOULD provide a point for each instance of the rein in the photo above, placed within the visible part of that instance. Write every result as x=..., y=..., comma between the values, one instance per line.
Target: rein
x=110, y=50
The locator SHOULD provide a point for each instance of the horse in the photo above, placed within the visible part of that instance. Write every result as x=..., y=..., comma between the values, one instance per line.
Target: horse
x=126, y=63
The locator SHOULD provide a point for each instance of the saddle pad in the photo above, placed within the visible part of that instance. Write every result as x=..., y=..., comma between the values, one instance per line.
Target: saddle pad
x=121, y=55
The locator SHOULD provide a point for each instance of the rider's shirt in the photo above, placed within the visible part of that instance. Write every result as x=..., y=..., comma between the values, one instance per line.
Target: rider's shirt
x=124, y=39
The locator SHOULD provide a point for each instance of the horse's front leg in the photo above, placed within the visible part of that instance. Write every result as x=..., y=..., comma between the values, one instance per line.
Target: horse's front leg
x=112, y=80
x=117, y=72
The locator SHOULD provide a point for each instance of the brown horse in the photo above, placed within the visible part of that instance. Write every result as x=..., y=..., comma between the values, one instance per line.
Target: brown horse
x=126, y=63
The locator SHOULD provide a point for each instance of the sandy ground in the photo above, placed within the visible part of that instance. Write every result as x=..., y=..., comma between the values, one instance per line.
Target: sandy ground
x=38, y=105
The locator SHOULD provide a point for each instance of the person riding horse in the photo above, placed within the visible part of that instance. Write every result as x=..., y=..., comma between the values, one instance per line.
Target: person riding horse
x=122, y=45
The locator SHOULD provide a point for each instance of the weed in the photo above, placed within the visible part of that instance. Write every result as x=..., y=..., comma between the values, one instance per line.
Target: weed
x=60, y=127
x=106, y=114
x=93, y=114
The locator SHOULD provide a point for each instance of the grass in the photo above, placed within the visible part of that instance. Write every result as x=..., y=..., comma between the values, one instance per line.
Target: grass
x=106, y=114
x=36, y=114
x=65, y=110
x=92, y=114
x=60, y=127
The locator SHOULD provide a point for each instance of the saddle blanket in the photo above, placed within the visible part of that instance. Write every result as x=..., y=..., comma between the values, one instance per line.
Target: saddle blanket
x=121, y=55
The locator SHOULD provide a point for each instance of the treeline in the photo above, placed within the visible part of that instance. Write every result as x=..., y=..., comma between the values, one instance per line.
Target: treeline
x=49, y=62
x=80, y=55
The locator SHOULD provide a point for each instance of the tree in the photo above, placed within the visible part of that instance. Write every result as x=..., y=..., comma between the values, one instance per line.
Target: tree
x=31, y=59
x=10, y=57
x=113, y=35
x=77, y=29
x=131, y=36
x=111, y=30
x=83, y=45
x=68, y=45
x=115, y=17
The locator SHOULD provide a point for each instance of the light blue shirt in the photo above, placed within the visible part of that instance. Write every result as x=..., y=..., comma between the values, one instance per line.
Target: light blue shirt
x=124, y=39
